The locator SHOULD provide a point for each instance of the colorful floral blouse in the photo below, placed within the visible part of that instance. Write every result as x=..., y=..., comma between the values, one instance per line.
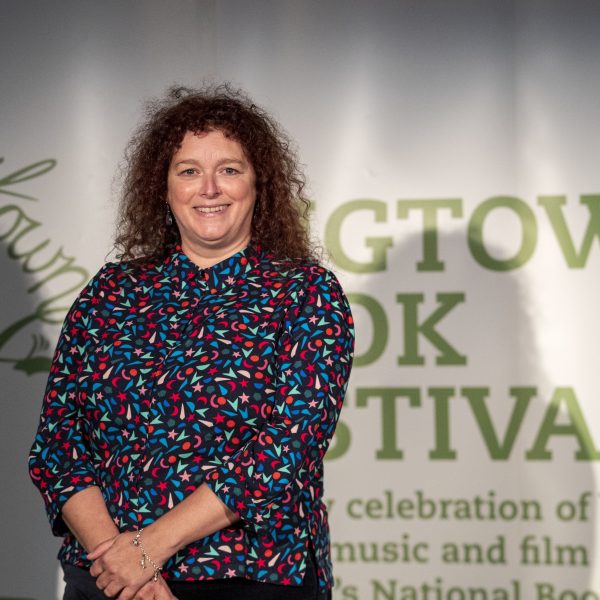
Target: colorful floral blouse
x=167, y=376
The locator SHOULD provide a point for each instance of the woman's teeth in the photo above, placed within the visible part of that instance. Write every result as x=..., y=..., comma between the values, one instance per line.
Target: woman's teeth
x=211, y=209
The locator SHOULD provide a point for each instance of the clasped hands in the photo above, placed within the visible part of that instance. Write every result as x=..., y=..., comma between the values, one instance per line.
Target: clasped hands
x=119, y=574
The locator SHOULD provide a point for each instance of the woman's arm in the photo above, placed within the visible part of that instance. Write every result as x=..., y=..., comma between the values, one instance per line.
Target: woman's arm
x=117, y=560
x=199, y=515
x=86, y=515
x=262, y=481
x=60, y=462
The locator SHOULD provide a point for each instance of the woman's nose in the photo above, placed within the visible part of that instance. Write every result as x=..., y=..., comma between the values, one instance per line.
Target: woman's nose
x=209, y=187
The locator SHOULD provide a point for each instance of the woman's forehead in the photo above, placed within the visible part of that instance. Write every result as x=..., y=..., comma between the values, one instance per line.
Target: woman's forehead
x=196, y=139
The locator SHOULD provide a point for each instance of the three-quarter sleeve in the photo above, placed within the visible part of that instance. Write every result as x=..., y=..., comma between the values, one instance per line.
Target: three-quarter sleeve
x=262, y=481
x=59, y=462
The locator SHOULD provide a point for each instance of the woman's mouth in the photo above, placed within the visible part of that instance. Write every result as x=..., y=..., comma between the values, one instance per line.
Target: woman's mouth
x=211, y=209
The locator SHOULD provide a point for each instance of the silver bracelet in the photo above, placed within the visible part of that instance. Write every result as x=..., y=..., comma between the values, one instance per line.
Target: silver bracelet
x=137, y=541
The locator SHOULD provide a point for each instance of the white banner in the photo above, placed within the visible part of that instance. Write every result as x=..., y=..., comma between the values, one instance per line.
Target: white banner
x=452, y=152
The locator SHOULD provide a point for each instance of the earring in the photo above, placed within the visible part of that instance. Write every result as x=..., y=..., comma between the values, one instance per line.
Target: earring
x=169, y=217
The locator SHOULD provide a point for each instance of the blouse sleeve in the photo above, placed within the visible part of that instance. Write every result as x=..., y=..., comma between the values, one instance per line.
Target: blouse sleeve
x=59, y=461
x=262, y=481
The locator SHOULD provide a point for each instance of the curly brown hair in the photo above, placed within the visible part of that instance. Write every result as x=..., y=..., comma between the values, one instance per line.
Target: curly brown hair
x=280, y=219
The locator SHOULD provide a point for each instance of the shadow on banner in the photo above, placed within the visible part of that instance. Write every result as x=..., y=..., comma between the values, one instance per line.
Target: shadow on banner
x=472, y=429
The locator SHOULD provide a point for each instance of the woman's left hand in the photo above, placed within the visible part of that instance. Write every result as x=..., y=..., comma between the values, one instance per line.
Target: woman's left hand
x=117, y=567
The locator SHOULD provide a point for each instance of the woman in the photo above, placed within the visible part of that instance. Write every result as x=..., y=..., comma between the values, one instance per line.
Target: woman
x=197, y=383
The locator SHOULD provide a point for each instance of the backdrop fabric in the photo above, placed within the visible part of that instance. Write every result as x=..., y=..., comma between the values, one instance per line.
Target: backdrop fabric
x=452, y=152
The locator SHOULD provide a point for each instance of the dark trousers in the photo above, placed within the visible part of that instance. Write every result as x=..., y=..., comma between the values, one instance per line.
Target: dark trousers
x=80, y=585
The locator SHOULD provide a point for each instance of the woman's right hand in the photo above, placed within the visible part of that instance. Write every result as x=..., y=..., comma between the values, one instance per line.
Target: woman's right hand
x=155, y=590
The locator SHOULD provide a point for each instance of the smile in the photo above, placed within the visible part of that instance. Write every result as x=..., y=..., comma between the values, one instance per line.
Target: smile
x=211, y=209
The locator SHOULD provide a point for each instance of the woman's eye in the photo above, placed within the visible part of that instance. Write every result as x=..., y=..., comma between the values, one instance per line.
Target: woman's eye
x=189, y=171
x=230, y=171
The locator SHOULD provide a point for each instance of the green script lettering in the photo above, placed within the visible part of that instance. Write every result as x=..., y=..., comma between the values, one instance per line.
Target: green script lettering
x=35, y=258
x=29, y=172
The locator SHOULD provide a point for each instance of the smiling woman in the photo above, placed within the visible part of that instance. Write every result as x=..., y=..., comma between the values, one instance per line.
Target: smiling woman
x=198, y=382
x=211, y=189
x=279, y=216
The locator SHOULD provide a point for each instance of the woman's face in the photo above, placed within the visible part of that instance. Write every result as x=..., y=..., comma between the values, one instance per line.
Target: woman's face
x=211, y=191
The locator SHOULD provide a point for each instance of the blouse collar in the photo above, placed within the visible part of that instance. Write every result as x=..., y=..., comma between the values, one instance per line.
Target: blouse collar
x=221, y=275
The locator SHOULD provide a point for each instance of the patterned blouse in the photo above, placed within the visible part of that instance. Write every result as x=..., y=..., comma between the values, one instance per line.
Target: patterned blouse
x=167, y=376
